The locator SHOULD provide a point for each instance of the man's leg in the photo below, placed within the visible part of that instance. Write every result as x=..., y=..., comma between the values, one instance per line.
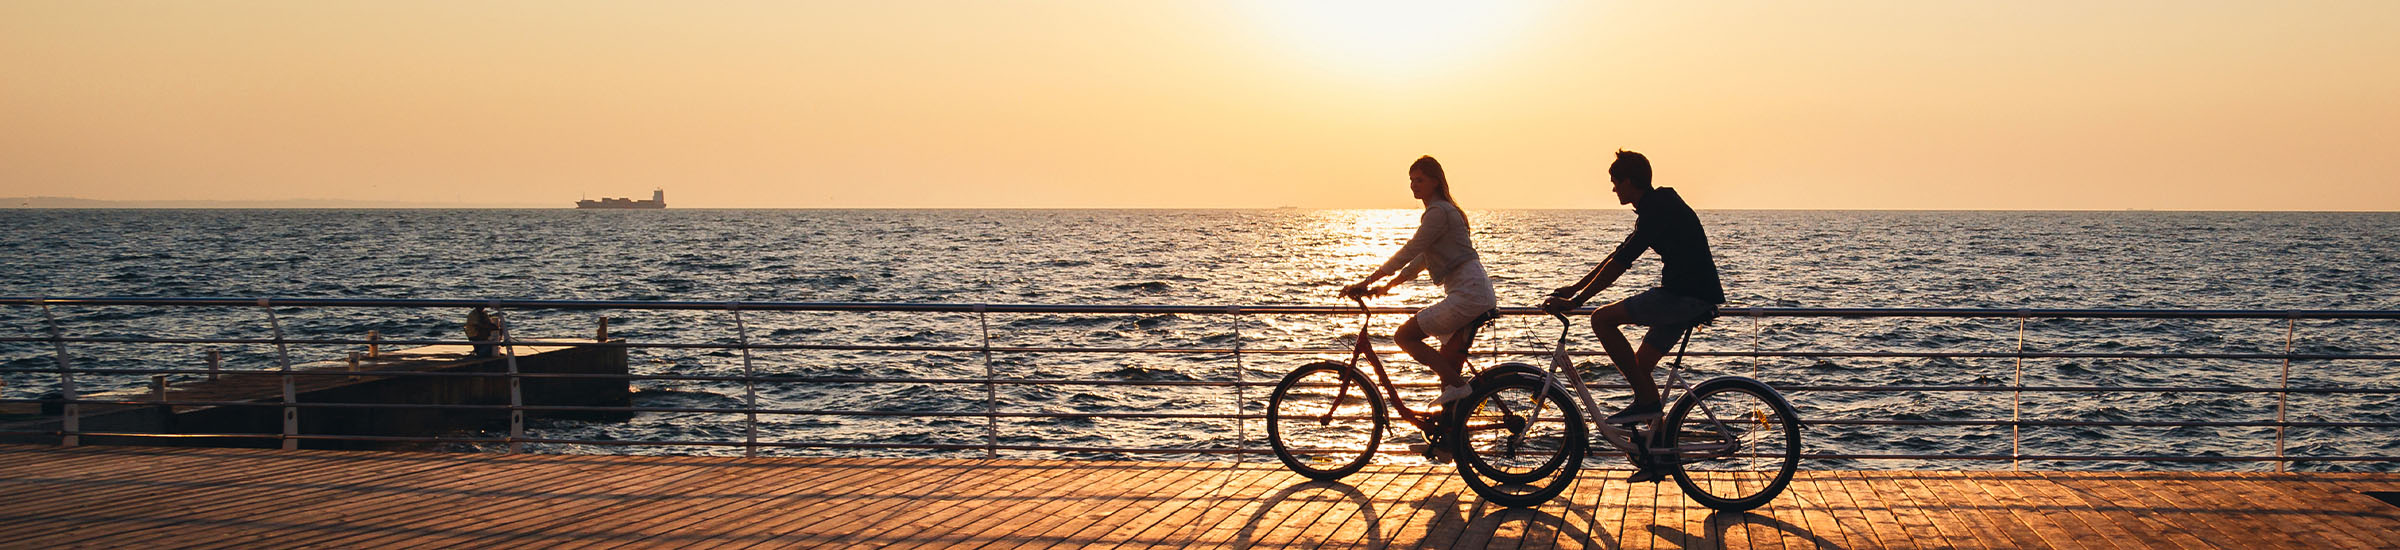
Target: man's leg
x=1445, y=362
x=1634, y=364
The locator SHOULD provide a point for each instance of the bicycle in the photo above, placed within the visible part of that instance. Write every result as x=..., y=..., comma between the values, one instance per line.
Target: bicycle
x=1321, y=431
x=1739, y=452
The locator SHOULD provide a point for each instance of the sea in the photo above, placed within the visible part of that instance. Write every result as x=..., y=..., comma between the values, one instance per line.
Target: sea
x=1802, y=259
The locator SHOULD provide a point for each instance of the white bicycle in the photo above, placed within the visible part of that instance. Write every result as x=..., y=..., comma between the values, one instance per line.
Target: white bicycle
x=1731, y=442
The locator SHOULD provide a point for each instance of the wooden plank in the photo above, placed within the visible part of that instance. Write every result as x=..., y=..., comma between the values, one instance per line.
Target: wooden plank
x=990, y=522
x=1847, y=512
x=2369, y=516
x=2085, y=520
x=702, y=511
x=1917, y=519
x=166, y=505
x=1414, y=486
x=2240, y=516
x=1204, y=479
x=289, y=503
x=730, y=495
x=2312, y=517
x=536, y=495
x=1184, y=478
x=1881, y=515
x=1353, y=511
x=1800, y=507
x=1962, y=527
x=1071, y=503
x=2186, y=512
x=2083, y=491
x=2048, y=527
x=534, y=509
x=1208, y=524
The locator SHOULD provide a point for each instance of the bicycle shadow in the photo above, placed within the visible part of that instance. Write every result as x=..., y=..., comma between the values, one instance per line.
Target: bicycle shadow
x=1719, y=522
x=1477, y=524
x=1366, y=511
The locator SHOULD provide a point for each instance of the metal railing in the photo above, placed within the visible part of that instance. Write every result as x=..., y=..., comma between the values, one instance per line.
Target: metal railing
x=1240, y=386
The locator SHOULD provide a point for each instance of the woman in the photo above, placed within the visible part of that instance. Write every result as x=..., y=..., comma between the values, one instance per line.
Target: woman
x=1443, y=248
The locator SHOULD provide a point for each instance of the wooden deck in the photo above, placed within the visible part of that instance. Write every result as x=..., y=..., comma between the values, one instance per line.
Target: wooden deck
x=132, y=497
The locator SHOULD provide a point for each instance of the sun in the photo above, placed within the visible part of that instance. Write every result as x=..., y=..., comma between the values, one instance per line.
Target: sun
x=1392, y=38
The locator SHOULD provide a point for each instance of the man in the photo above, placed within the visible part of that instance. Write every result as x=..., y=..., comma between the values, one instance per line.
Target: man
x=1688, y=291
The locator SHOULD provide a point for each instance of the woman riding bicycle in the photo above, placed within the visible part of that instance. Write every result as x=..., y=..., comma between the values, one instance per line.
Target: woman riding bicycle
x=1443, y=248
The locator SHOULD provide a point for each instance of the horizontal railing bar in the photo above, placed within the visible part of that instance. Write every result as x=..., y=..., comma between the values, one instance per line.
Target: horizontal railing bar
x=1218, y=351
x=1171, y=383
x=1174, y=309
x=1148, y=450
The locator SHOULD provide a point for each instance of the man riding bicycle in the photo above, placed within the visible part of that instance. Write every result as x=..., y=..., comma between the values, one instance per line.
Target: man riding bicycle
x=1688, y=292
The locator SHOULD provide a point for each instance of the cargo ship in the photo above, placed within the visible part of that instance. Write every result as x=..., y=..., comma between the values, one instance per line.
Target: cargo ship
x=658, y=199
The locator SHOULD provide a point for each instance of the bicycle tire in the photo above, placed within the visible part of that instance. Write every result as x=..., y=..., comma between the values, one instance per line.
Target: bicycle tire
x=1486, y=442
x=1768, y=436
x=1337, y=427
x=1487, y=378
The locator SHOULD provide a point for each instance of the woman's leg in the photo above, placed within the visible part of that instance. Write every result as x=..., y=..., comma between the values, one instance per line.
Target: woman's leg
x=1445, y=362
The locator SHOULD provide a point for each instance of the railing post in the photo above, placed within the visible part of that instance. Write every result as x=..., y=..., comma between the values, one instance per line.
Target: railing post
x=991, y=392
x=1241, y=427
x=516, y=386
x=2016, y=401
x=70, y=416
x=741, y=333
x=283, y=362
x=2283, y=395
x=1755, y=347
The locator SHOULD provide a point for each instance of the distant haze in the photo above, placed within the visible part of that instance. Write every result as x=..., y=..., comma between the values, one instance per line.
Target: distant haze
x=1174, y=104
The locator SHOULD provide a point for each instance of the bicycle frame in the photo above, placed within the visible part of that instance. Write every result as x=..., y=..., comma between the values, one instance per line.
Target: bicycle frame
x=1364, y=346
x=1641, y=454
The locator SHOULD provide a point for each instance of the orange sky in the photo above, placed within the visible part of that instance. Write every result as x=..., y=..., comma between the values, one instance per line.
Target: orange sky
x=1968, y=105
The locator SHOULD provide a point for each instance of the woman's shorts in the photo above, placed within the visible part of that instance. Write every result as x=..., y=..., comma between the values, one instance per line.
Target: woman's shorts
x=1666, y=313
x=1467, y=294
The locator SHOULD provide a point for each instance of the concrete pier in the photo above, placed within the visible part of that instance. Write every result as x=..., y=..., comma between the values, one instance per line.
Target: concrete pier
x=261, y=395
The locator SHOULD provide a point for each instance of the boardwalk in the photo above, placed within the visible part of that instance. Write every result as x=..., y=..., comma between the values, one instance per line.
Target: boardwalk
x=54, y=497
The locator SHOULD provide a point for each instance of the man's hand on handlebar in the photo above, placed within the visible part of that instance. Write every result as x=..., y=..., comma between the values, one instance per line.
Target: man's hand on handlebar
x=1558, y=306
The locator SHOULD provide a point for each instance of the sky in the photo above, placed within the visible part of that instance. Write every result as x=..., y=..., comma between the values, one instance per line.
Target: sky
x=2171, y=105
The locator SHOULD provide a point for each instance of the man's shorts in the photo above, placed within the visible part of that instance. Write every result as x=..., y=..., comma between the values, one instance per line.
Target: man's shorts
x=1666, y=313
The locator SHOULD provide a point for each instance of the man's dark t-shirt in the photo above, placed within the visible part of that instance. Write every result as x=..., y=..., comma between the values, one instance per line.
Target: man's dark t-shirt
x=1664, y=223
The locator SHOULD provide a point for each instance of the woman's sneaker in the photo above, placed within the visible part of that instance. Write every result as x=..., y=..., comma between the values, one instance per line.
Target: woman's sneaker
x=1454, y=393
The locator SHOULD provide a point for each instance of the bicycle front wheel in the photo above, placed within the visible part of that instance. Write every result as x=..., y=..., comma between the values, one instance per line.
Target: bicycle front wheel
x=1518, y=442
x=1325, y=420
x=1738, y=443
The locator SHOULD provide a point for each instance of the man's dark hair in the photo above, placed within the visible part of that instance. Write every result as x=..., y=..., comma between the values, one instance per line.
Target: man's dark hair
x=1631, y=166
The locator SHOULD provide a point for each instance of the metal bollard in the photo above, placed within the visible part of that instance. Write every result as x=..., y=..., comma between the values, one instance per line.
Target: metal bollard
x=353, y=365
x=374, y=349
x=213, y=359
x=603, y=334
x=158, y=388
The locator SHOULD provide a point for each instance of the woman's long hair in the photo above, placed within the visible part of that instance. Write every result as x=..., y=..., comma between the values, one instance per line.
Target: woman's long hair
x=1441, y=183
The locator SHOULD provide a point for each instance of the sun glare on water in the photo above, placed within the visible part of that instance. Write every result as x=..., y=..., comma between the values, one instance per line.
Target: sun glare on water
x=1392, y=38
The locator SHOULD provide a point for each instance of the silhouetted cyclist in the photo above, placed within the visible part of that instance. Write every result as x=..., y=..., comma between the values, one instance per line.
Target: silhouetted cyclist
x=1688, y=291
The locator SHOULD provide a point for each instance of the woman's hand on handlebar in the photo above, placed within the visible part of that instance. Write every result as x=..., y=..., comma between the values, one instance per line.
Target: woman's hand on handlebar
x=1365, y=289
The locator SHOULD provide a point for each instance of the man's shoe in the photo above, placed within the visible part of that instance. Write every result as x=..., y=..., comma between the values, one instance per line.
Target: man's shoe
x=1647, y=475
x=1454, y=393
x=1638, y=413
x=1436, y=453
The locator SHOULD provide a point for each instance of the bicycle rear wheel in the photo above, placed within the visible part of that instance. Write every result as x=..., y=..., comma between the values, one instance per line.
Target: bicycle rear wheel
x=1738, y=442
x=1325, y=420
x=1518, y=442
